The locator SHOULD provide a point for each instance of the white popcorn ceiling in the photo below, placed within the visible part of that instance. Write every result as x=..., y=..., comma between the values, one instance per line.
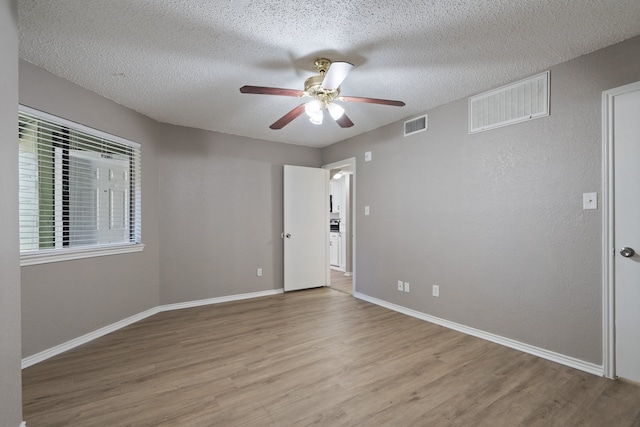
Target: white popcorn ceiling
x=183, y=62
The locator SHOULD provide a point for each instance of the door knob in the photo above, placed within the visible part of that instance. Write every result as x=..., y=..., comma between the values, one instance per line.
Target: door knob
x=627, y=252
x=288, y=236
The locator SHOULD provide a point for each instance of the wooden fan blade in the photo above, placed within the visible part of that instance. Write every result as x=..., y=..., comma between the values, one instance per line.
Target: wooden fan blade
x=262, y=90
x=344, y=121
x=373, y=101
x=338, y=71
x=288, y=118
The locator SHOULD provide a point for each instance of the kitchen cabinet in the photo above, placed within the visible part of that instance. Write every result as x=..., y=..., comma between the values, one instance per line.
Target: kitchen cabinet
x=337, y=194
x=335, y=249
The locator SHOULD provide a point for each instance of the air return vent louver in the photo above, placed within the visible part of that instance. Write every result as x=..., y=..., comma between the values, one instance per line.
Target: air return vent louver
x=524, y=100
x=415, y=125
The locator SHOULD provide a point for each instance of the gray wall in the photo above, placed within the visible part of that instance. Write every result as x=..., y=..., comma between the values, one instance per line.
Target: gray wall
x=10, y=375
x=211, y=214
x=65, y=300
x=495, y=219
x=221, y=213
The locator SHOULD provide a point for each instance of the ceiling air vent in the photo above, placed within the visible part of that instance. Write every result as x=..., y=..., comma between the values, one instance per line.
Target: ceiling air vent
x=415, y=125
x=524, y=100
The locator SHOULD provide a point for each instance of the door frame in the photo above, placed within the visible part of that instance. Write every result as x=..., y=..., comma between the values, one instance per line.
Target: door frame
x=608, y=228
x=334, y=165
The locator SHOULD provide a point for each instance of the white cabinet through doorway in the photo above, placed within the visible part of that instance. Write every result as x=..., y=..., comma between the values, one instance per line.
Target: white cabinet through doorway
x=335, y=250
x=337, y=195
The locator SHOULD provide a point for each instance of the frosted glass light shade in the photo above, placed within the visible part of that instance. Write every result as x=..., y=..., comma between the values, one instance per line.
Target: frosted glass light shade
x=335, y=110
x=312, y=107
x=316, y=118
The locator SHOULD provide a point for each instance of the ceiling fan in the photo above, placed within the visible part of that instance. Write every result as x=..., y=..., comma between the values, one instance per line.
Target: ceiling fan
x=324, y=90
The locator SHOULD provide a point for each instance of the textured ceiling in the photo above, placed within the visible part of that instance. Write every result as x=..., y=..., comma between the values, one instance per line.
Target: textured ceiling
x=183, y=61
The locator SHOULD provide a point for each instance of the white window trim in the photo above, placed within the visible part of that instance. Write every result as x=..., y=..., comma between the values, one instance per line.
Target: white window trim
x=45, y=256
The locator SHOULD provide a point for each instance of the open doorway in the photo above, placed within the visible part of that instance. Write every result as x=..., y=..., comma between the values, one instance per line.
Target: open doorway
x=342, y=176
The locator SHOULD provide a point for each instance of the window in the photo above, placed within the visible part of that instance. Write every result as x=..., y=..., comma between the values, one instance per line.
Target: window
x=79, y=190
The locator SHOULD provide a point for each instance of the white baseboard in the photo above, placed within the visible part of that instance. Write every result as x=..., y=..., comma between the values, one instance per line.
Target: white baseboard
x=208, y=301
x=23, y=424
x=507, y=342
x=66, y=346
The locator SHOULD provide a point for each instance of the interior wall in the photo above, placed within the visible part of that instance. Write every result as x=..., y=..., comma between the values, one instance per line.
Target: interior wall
x=221, y=210
x=10, y=340
x=495, y=219
x=65, y=300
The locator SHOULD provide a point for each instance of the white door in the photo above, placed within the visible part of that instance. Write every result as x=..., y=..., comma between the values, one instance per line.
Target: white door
x=626, y=196
x=306, y=227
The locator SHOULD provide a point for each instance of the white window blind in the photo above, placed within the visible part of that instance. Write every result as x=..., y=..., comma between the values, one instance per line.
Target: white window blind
x=79, y=187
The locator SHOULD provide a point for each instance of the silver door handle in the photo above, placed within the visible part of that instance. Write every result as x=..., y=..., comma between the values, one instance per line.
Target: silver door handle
x=627, y=252
x=288, y=235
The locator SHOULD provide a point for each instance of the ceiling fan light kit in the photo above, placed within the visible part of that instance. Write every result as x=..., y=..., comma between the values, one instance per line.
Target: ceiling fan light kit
x=335, y=110
x=313, y=109
x=324, y=89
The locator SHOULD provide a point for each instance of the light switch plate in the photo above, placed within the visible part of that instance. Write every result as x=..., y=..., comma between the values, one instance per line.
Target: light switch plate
x=366, y=210
x=367, y=156
x=407, y=287
x=589, y=200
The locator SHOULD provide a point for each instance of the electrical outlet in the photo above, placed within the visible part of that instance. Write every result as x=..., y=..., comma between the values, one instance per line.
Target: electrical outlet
x=436, y=291
x=400, y=285
x=259, y=272
x=407, y=287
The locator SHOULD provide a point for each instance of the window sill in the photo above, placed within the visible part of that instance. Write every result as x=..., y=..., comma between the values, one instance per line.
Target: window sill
x=56, y=255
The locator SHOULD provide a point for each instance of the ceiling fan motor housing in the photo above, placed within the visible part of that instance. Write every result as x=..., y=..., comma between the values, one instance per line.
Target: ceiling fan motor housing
x=313, y=86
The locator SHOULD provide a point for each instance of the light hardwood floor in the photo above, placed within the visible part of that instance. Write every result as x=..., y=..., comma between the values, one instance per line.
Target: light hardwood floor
x=340, y=282
x=317, y=357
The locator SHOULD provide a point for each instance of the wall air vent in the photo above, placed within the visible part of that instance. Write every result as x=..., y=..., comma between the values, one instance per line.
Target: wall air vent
x=524, y=100
x=416, y=125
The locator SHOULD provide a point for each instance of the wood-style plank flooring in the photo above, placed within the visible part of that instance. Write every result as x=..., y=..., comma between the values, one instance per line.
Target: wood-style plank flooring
x=317, y=357
x=340, y=282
